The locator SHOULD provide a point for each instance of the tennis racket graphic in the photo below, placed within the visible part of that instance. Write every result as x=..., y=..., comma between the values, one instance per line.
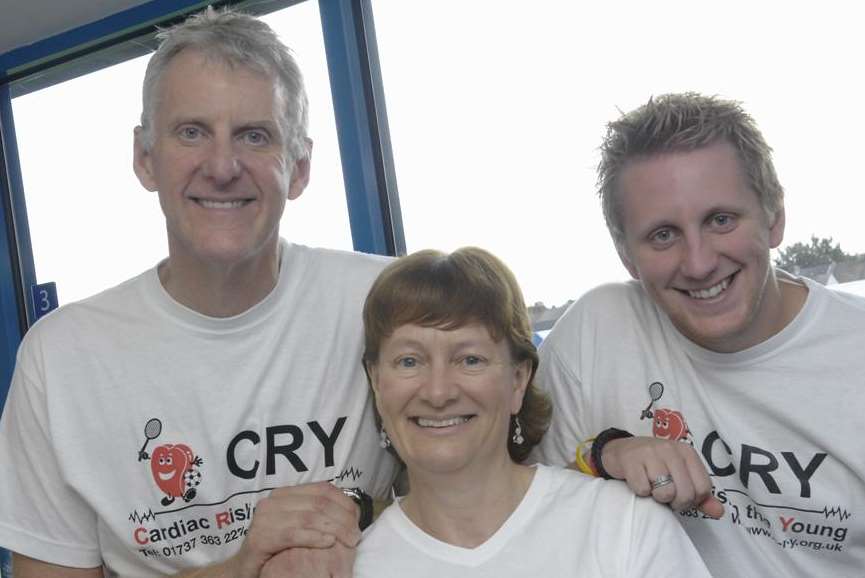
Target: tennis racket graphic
x=152, y=429
x=656, y=390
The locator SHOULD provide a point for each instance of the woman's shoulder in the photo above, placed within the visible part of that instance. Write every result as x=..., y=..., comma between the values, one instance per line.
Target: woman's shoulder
x=388, y=547
x=381, y=529
x=608, y=517
x=609, y=498
x=564, y=481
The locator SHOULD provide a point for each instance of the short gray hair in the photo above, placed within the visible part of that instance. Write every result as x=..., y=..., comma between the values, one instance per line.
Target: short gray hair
x=681, y=123
x=238, y=40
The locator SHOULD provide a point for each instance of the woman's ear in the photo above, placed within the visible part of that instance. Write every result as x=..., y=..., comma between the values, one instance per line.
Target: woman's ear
x=522, y=376
x=371, y=370
x=371, y=375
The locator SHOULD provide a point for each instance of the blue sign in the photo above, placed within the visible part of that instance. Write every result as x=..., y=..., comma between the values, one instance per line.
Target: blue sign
x=5, y=564
x=44, y=298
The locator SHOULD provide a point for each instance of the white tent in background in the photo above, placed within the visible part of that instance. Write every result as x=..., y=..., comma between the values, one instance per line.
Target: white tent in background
x=855, y=287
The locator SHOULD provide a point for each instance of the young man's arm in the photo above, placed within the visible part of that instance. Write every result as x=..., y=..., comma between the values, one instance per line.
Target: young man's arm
x=637, y=460
x=641, y=460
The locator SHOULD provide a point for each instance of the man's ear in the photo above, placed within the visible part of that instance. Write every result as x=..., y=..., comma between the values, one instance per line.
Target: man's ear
x=300, y=173
x=776, y=229
x=626, y=260
x=142, y=162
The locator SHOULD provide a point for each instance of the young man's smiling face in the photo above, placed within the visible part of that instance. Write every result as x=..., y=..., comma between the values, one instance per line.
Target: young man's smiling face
x=698, y=239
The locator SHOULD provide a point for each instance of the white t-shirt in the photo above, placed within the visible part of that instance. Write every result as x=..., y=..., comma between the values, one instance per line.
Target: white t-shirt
x=140, y=434
x=567, y=524
x=778, y=425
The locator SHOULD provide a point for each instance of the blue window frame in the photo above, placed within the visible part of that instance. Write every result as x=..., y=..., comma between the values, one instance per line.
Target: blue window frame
x=352, y=56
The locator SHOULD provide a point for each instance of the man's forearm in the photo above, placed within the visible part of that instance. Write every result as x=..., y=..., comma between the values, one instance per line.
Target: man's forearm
x=25, y=567
x=226, y=569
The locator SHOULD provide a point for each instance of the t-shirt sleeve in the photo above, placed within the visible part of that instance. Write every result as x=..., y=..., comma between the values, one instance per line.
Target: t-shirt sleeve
x=659, y=545
x=383, y=553
x=40, y=515
x=557, y=376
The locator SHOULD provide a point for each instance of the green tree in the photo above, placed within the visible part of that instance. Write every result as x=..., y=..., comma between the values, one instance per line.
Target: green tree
x=821, y=251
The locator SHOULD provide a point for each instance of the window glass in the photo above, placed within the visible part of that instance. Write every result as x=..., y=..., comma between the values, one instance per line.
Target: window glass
x=496, y=110
x=92, y=225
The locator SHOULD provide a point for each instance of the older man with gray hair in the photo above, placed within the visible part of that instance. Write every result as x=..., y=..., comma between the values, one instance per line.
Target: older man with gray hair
x=196, y=419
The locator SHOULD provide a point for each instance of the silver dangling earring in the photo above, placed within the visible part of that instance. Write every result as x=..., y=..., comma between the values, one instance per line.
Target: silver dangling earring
x=518, y=432
x=384, y=441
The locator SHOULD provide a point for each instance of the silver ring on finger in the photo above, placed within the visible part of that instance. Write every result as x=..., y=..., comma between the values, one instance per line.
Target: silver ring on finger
x=661, y=481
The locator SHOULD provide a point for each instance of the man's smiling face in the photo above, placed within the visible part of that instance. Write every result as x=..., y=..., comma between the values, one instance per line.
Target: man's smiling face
x=219, y=161
x=698, y=239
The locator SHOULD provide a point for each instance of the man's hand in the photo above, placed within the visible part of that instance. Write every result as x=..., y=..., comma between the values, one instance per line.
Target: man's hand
x=641, y=460
x=310, y=516
x=334, y=562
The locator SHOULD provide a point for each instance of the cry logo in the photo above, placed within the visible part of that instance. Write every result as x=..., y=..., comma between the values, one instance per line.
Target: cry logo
x=174, y=467
x=667, y=424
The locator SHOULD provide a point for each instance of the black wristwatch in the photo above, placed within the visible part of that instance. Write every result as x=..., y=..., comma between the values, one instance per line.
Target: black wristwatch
x=364, y=502
x=601, y=440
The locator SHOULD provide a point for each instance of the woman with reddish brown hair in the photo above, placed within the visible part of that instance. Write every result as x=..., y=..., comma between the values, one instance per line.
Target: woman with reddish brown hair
x=450, y=359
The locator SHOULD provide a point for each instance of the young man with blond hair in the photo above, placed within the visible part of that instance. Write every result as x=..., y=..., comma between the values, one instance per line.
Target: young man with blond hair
x=713, y=381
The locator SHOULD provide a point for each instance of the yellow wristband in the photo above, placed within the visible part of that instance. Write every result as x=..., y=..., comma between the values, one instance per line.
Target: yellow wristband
x=582, y=465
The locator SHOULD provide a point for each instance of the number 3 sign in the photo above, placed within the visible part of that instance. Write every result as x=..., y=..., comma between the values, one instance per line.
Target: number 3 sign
x=44, y=298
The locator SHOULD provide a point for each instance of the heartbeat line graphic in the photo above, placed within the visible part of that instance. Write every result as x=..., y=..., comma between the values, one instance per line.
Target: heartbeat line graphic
x=351, y=472
x=836, y=511
x=139, y=518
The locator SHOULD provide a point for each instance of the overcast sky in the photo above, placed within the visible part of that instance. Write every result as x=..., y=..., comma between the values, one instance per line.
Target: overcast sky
x=496, y=109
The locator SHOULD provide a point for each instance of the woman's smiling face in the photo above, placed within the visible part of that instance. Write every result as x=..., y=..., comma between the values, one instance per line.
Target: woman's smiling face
x=446, y=396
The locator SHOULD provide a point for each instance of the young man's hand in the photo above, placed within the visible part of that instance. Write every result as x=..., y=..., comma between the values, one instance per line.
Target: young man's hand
x=640, y=461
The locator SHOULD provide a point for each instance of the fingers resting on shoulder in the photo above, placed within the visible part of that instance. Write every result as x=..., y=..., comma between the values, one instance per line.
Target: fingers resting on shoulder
x=671, y=472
